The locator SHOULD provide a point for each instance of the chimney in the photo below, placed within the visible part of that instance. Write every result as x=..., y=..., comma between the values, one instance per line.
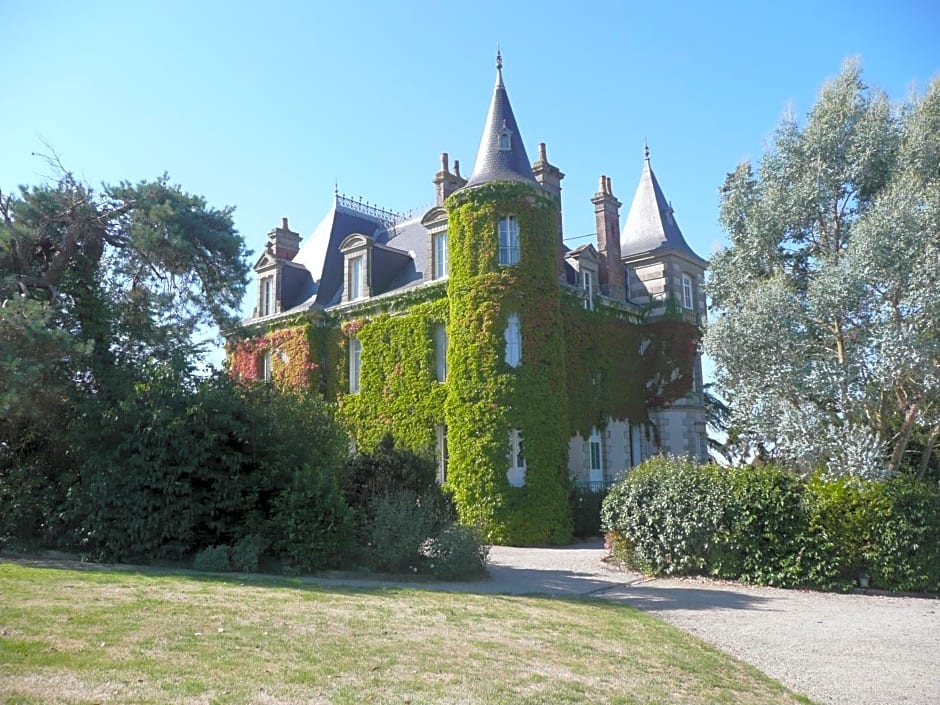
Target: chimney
x=549, y=177
x=446, y=183
x=284, y=242
x=607, y=217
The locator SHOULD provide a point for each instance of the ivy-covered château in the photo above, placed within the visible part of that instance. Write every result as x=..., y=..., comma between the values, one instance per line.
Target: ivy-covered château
x=472, y=331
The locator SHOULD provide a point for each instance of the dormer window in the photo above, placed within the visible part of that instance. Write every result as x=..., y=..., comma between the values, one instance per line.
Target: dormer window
x=440, y=255
x=505, y=138
x=355, y=277
x=508, y=240
x=267, y=296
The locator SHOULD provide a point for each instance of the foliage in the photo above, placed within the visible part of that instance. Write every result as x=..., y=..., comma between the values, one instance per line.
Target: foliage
x=768, y=526
x=399, y=525
x=182, y=463
x=246, y=553
x=827, y=341
x=669, y=510
x=486, y=398
x=586, y=511
x=313, y=525
x=214, y=559
x=457, y=552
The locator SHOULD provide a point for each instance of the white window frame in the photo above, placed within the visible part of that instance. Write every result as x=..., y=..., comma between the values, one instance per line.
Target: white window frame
x=440, y=255
x=509, y=253
x=267, y=296
x=513, y=337
x=442, y=453
x=688, y=300
x=516, y=472
x=440, y=352
x=586, y=279
x=356, y=276
x=267, y=368
x=596, y=469
x=355, y=365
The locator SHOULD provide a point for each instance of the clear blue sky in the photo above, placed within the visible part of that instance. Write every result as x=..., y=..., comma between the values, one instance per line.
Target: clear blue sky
x=265, y=105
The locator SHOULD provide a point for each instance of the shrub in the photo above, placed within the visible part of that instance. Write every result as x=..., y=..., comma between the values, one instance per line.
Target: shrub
x=214, y=559
x=586, y=511
x=904, y=548
x=763, y=517
x=246, y=554
x=399, y=527
x=457, y=552
x=312, y=524
x=669, y=510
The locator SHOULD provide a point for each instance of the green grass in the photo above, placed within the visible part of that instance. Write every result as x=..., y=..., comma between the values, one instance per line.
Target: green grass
x=95, y=635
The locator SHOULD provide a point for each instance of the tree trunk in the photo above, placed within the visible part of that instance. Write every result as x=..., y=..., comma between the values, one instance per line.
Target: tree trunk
x=928, y=449
x=904, y=435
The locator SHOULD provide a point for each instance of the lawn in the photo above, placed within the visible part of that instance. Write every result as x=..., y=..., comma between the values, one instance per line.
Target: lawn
x=98, y=635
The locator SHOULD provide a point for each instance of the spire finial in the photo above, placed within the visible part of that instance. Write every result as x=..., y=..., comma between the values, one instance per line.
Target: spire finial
x=646, y=149
x=499, y=59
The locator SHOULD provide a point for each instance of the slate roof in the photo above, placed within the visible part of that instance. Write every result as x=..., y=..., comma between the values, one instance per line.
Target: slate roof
x=651, y=226
x=492, y=163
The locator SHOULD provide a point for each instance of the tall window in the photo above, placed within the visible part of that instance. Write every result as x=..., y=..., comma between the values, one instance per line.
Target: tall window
x=440, y=352
x=516, y=472
x=356, y=277
x=442, y=454
x=267, y=296
x=586, y=278
x=355, y=364
x=266, y=366
x=687, y=291
x=508, y=240
x=513, y=335
x=440, y=255
x=596, y=466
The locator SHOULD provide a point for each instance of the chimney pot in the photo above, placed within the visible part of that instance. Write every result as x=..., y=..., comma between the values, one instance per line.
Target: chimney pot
x=457, y=168
x=444, y=160
x=542, y=154
x=284, y=224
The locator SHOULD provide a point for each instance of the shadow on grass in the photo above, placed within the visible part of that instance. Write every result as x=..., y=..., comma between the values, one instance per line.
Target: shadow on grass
x=504, y=580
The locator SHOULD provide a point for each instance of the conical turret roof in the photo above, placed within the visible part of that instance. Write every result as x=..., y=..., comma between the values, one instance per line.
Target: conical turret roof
x=501, y=156
x=651, y=226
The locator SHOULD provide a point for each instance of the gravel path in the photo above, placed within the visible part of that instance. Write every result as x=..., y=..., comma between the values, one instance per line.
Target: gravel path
x=836, y=649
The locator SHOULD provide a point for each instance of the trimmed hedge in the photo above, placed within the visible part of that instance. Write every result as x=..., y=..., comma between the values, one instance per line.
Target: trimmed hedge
x=769, y=527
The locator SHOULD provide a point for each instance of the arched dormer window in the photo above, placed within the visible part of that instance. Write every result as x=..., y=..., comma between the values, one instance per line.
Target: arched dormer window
x=505, y=138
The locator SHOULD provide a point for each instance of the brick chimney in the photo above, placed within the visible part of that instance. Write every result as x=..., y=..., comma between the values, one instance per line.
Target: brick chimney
x=283, y=242
x=607, y=215
x=446, y=183
x=549, y=177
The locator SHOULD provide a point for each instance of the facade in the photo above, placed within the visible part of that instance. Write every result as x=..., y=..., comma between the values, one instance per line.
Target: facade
x=472, y=331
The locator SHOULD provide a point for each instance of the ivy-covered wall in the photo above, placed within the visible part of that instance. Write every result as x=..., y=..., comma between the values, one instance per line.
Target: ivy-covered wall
x=486, y=397
x=399, y=393
x=579, y=367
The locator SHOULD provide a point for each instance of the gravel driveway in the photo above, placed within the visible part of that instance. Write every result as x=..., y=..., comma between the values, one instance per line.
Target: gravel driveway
x=836, y=649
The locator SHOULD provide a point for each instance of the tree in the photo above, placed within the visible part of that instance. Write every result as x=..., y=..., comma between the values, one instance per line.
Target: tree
x=827, y=333
x=93, y=286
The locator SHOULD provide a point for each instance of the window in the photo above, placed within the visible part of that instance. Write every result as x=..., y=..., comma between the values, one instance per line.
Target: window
x=266, y=366
x=440, y=352
x=596, y=464
x=440, y=255
x=508, y=240
x=355, y=278
x=355, y=363
x=505, y=140
x=267, y=296
x=513, y=336
x=442, y=454
x=586, y=279
x=687, y=291
x=516, y=473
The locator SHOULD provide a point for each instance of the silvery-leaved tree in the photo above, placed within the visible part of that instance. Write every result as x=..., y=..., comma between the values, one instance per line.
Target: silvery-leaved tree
x=826, y=303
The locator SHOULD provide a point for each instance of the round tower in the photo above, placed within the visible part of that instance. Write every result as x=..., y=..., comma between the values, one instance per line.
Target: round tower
x=506, y=409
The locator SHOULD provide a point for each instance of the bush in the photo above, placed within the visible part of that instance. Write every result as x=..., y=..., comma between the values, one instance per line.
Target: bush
x=399, y=527
x=669, y=511
x=763, y=517
x=214, y=559
x=246, y=554
x=457, y=552
x=313, y=527
x=586, y=511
